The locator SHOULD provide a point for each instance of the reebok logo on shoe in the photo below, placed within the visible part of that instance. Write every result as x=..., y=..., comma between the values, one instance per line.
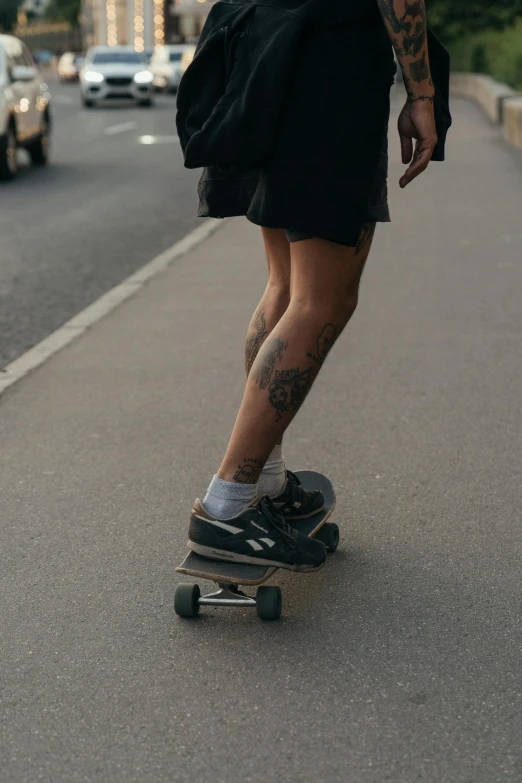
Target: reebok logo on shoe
x=259, y=526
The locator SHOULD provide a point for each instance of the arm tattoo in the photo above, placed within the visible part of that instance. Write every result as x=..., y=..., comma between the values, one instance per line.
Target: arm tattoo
x=255, y=337
x=414, y=28
x=325, y=341
x=422, y=98
x=419, y=70
x=390, y=15
x=272, y=354
x=407, y=31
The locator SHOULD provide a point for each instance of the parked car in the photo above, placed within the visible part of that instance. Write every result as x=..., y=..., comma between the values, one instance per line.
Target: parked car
x=166, y=66
x=25, y=119
x=69, y=66
x=111, y=72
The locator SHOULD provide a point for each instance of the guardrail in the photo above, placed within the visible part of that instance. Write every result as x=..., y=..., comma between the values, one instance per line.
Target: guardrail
x=501, y=103
x=513, y=121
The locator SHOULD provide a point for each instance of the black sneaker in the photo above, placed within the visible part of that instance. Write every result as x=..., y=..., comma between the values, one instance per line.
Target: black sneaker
x=258, y=535
x=296, y=502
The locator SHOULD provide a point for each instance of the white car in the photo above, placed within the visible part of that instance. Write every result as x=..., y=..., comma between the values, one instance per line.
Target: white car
x=166, y=66
x=69, y=66
x=115, y=72
x=25, y=119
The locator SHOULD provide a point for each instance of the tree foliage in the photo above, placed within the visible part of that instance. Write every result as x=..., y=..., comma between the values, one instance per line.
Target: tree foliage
x=8, y=14
x=64, y=11
x=451, y=19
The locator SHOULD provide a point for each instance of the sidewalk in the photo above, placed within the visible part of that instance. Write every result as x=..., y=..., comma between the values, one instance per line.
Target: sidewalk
x=400, y=660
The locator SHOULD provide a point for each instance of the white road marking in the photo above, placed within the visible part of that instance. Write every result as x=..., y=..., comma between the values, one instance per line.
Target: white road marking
x=39, y=354
x=158, y=139
x=112, y=130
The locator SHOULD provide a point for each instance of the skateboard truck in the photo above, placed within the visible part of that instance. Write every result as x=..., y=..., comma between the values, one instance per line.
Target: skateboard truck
x=268, y=601
x=227, y=595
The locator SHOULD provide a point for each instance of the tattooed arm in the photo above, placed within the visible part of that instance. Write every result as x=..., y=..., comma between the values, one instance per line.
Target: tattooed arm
x=405, y=21
x=406, y=25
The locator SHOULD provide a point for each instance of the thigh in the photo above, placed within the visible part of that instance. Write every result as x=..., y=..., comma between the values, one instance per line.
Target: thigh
x=321, y=268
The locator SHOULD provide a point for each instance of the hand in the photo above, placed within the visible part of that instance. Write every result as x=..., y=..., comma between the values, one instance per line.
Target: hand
x=417, y=121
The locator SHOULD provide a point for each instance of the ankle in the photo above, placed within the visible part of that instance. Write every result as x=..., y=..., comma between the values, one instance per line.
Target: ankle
x=226, y=499
x=273, y=478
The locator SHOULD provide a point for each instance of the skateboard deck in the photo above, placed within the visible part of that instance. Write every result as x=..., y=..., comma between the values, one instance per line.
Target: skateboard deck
x=245, y=574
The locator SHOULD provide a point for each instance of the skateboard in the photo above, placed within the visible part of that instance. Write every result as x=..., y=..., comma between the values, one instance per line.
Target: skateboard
x=230, y=576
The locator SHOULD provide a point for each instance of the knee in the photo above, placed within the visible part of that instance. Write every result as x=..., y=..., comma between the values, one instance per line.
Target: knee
x=342, y=309
x=349, y=304
x=337, y=308
x=279, y=288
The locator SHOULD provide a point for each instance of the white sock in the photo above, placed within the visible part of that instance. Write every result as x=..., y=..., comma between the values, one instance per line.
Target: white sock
x=273, y=477
x=225, y=499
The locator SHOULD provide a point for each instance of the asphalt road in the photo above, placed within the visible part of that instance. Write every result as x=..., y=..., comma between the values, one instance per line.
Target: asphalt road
x=106, y=205
x=400, y=661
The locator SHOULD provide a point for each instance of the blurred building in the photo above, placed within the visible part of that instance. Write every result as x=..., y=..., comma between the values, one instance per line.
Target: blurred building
x=190, y=16
x=142, y=23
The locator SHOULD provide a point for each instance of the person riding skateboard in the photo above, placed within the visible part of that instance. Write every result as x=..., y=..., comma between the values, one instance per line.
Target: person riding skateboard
x=317, y=200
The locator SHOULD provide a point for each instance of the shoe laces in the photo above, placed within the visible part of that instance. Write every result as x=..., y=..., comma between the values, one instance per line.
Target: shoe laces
x=277, y=520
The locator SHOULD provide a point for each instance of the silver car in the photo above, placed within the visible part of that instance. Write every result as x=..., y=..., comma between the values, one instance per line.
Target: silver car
x=166, y=66
x=112, y=72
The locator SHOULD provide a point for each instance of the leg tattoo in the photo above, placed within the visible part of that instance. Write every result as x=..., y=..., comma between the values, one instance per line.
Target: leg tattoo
x=256, y=335
x=289, y=389
x=274, y=353
x=365, y=237
x=325, y=342
x=249, y=471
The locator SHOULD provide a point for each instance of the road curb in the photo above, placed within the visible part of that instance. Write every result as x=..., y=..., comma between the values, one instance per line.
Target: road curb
x=499, y=101
x=108, y=302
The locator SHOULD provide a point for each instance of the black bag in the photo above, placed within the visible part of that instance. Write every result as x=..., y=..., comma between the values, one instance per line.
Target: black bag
x=230, y=97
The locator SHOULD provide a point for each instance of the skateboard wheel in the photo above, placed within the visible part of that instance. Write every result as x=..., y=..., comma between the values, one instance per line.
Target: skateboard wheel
x=329, y=535
x=269, y=603
x=186, y=600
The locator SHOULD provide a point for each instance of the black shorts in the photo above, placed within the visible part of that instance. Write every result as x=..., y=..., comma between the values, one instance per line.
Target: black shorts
x=376, y=212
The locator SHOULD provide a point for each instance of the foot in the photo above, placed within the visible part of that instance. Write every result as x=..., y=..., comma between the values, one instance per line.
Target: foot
x=259, y=535
x=296, y=502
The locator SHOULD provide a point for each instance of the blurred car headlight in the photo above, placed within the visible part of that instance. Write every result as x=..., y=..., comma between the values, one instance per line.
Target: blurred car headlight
x=143, y=77
x=93, y=76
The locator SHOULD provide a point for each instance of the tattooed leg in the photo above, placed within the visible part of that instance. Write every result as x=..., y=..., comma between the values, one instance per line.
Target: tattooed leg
x=276, y=297
x=325, y=283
